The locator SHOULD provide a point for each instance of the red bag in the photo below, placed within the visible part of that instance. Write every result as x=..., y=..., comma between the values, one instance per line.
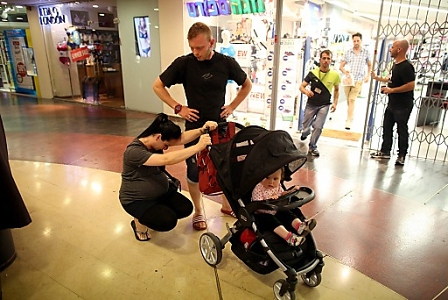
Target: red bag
x=208, y=184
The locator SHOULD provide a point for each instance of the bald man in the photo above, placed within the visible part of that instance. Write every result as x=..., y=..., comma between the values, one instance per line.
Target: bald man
x=400, y=90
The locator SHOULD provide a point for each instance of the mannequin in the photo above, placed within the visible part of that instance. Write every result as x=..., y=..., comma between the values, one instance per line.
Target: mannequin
x=227, y=49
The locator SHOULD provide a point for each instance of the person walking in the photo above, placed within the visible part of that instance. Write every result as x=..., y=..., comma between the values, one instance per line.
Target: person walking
x=400, y=91
x=353, y=66
x=204, y=74
x=318, y=86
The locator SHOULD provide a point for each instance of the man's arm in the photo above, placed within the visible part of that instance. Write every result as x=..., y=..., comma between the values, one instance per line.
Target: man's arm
x=245, y=89
x=335, y=98
x=369, y=71
x=400, y=89
x=161, y=91
x=304, y=90
x=341, y=67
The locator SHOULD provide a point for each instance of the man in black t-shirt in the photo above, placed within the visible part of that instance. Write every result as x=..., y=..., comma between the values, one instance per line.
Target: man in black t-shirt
x=400, y=90
x=204, y=74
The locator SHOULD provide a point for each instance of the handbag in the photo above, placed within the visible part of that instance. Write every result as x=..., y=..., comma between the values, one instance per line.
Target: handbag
x=174, y=183
x=208, y=183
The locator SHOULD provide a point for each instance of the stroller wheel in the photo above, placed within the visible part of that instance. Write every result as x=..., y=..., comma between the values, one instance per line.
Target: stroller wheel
x=281, y=291
x=312, y=279
x=211, y=248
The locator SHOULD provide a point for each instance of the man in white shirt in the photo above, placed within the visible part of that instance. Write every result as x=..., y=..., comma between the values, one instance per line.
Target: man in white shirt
x=356, y=58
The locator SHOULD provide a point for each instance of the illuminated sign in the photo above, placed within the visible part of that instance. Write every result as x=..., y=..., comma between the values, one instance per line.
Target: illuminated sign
x=213, y=8
x=51, y=15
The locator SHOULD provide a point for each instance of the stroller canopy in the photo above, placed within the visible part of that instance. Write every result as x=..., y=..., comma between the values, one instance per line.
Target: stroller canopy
x=253, y=154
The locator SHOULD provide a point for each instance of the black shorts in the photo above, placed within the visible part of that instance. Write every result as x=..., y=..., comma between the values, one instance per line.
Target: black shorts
x=192, y=166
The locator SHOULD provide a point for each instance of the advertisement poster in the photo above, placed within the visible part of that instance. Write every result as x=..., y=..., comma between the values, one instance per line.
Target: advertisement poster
x=142, y=40
x=16, y=42
x=287, y=85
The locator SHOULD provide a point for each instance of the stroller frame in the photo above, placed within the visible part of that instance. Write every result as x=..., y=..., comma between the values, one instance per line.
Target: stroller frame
x=261, y=256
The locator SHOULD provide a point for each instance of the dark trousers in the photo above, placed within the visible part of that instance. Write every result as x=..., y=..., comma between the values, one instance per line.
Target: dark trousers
x=401, y=117
x=162, y=216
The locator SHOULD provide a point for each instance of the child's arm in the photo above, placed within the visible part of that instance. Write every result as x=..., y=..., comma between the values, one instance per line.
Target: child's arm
x=294, y=188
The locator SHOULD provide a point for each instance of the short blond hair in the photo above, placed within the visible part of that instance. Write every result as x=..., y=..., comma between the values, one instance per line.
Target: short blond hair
x=199, y=28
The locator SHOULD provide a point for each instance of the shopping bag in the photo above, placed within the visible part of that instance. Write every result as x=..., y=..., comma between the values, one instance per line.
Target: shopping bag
x=208, y=183
x=347, y=80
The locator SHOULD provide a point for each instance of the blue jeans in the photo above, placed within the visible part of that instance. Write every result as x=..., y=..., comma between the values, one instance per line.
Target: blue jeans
x=314, y=116
x=401, y=117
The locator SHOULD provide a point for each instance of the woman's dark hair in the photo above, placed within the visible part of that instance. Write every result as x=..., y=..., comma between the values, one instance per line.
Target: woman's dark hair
x=168, y=129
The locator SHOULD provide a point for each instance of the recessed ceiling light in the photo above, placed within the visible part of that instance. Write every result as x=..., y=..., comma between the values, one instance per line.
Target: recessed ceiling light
x=3, y=2
x=95, y=6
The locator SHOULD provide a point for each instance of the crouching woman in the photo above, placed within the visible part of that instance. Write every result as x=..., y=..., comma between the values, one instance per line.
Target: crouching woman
x=145, y=191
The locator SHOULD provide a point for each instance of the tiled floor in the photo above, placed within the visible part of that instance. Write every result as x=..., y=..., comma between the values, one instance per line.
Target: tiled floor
x=381, y=227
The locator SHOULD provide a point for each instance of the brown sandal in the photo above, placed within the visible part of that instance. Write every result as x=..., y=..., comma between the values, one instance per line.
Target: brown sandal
x=199, y=223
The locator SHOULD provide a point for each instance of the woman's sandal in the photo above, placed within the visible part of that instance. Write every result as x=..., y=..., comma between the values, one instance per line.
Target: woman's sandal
x=199, y=223
x=228, y=212
x=140, y=233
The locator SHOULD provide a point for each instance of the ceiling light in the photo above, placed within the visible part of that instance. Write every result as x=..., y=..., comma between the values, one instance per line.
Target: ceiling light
x=95, y=6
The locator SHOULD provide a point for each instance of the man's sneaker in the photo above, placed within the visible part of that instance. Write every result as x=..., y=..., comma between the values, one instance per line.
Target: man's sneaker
x=399, y=161
x=379, y=154
x=302, y=138
x=314, y=152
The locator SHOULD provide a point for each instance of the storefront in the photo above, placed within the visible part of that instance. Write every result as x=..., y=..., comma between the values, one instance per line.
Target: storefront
x=17, y=65
x=246, y=30
x=83, y=52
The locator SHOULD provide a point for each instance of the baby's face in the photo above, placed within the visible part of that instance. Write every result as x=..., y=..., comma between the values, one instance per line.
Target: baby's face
x=273, y=180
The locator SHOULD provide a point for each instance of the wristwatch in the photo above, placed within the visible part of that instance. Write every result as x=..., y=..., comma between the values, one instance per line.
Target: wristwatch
x=177, y=108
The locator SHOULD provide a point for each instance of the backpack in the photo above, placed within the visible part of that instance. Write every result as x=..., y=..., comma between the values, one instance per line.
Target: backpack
x=208, y=183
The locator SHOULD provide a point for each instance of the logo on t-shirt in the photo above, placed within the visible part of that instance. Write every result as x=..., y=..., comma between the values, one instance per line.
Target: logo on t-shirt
x=207, y=76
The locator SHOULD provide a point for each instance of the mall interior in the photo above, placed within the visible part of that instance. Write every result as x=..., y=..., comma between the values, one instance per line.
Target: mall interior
x=76, y=89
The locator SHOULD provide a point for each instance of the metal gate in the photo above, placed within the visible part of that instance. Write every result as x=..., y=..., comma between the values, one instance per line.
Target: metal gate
x=424, y=24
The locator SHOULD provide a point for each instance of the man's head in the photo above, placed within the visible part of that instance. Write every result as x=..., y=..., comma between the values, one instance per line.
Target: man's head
x=357, y=40
x=200, y=41
x=325, y=59
x=399, y=49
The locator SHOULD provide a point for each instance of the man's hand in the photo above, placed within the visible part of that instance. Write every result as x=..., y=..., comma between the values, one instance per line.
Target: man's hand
x=227, y=110
x=189, y=114
x=333, y=107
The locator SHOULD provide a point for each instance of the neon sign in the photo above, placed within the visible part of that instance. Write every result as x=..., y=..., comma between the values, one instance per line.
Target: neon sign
x=213, y=8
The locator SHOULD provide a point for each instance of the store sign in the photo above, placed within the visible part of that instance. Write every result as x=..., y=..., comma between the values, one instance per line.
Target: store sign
x=51, y=15
x=213, y=8
x=79, y=54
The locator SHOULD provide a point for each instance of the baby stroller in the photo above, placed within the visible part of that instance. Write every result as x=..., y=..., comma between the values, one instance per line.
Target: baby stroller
x=251, y=155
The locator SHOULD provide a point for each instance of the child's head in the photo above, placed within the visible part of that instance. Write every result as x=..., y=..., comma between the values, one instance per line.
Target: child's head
x=273, y=181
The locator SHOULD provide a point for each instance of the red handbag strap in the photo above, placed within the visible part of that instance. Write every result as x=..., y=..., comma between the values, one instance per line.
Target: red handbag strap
x=214, y=136
x=229, y=133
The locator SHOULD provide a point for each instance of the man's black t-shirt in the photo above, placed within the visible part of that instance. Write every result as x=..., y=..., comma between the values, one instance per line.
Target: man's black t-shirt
x=402, y=73
x=204, y=83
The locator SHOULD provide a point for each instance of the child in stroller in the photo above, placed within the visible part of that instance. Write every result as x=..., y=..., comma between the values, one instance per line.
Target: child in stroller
x=270, y=189
x=251, y=155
